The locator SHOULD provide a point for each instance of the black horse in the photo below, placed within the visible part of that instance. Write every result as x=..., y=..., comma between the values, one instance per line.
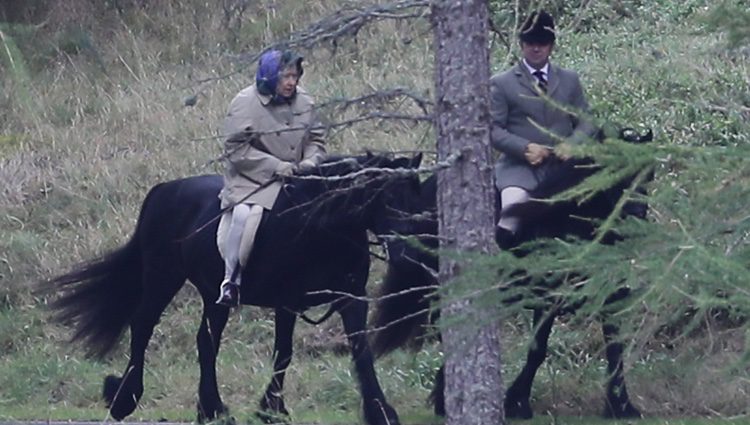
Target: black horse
x=410, y=280
x=310, y=249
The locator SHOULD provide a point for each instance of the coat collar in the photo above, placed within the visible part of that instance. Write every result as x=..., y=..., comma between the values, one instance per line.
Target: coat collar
x=264, y=99
x=545, y=68
x=529, y=81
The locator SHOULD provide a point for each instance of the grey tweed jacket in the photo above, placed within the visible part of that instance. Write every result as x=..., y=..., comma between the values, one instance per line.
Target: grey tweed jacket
x=520, y=116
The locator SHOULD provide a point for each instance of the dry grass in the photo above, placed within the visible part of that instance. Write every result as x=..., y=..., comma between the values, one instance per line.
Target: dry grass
x=98, y=128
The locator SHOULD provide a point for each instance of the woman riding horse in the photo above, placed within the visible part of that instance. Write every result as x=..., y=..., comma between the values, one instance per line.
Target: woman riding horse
x=273, y=132
x=320, y=221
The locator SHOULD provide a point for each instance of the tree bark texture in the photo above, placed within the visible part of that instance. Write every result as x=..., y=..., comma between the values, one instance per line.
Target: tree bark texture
x=471, y=339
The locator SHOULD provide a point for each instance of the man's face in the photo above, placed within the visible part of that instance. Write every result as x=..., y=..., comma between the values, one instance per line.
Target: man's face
x=288, y=79
x=536, y=54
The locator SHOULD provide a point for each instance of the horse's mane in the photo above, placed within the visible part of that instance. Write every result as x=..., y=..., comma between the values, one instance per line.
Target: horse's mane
x=344, y=182
x=561, y=178
x=339, y=165
x=570, y=173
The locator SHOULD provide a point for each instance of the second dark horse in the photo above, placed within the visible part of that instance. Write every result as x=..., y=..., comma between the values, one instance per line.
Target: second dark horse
x=400, y=317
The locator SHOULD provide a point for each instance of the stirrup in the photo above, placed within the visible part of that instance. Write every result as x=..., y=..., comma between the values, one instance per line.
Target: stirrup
x=229, y=294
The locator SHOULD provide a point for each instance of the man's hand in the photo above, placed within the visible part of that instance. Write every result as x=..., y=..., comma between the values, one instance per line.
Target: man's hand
x=536, y=153
x=286, y=169
x=563, y=151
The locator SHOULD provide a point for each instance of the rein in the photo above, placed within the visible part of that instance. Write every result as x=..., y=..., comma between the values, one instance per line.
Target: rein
x=262, y=186
x=332, y=308
x=229, y=207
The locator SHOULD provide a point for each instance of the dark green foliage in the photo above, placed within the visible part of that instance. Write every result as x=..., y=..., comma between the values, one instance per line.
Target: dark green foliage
x=14, y=63
x=79, y=148
x=733, y=18
x=21, y=11
x=688, y=264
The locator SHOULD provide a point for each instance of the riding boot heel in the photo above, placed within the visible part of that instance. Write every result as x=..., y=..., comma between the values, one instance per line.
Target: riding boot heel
x=229, y=294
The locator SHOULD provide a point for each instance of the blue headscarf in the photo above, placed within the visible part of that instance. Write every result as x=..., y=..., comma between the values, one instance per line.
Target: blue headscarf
x=270, y=65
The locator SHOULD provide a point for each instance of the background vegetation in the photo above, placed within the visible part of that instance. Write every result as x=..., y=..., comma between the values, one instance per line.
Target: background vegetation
x=92, y=114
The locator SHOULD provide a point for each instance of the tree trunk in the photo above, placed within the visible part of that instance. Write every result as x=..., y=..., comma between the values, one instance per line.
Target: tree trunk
x=471, y=339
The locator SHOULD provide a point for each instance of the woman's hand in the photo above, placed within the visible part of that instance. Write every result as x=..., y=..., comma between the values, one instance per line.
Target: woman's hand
x=306, y=164
x=536, y=153
x=286, y=169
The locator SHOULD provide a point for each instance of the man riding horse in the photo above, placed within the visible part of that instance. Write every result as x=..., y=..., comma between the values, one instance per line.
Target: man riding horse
x=528, y=127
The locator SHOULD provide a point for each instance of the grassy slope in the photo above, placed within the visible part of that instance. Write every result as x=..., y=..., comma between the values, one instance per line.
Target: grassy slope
x=80, y=147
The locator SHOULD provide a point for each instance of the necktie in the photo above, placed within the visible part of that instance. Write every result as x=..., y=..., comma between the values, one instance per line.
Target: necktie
x=541, y=81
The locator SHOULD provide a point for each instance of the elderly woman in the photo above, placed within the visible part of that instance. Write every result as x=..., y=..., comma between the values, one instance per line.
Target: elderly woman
x=272, y=132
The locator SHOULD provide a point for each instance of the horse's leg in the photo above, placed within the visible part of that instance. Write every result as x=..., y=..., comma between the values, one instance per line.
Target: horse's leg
x=618, y=403
x=272, y=403
x=160, y=284
x=517, y=403
x=376, y=410
x=208, y=340
x=437, y=396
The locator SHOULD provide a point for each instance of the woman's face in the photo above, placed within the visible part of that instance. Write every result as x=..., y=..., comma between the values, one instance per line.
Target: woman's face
x=288, y=79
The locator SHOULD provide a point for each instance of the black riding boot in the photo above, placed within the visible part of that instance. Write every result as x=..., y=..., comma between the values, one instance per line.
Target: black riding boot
x=229, y=294
x=505, y=239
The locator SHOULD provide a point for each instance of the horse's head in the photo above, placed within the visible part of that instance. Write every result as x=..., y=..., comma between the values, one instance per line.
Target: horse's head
x=574, y=217
x=634, y=208
x=628, y=134
x=396, y=191
x=373, y=191
x=415, y=229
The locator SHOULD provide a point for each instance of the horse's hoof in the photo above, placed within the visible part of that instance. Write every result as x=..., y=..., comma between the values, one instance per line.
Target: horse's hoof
x=272, y=410
x=621, y=411
x=111, y=385
x=439, y=410
x=518, y=409
x=380, y=413
x=122, y=407
x=208, y=415
x=224, y=419
x=269, y=417
x=273, y=403
x=120, y=396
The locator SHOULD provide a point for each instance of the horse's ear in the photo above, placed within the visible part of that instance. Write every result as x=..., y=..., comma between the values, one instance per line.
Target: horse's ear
x=648, y=137
x=415, y=160
x=630, y=135
x=369, y=154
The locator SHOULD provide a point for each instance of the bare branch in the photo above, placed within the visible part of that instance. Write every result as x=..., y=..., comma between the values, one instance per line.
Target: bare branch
x=448, y=162
x=380, y=97
x=345, y=22
x=502, y=35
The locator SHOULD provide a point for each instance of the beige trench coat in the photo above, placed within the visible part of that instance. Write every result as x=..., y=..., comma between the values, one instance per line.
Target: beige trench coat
x=285, y=134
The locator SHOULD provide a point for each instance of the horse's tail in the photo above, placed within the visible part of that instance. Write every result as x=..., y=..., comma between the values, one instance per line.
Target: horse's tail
x=99, y=297
x=402, y=312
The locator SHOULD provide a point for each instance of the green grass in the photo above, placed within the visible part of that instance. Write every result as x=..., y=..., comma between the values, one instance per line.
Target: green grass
x=95, y=118
x=599, y=421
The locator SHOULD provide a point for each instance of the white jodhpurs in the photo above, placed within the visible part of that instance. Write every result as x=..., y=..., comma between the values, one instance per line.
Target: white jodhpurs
x=236, y=236
x=509, y=196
